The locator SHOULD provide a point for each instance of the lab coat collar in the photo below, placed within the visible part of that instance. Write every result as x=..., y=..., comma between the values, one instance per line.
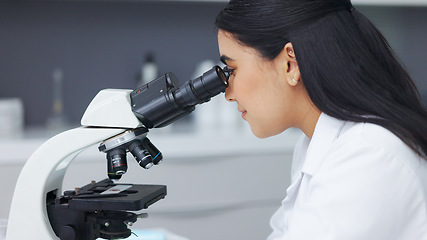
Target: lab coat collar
x=325, y=133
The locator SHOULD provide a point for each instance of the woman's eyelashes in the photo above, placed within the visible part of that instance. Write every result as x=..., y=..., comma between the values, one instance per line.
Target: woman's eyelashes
x=229, y=70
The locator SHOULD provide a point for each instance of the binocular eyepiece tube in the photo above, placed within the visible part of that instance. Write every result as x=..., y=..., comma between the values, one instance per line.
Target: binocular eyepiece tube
x=162, y=101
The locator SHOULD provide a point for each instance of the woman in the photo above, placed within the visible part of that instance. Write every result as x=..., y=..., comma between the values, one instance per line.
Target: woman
x=360, y=170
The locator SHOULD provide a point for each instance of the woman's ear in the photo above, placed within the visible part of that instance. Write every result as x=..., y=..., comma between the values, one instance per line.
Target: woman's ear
x=292, y=73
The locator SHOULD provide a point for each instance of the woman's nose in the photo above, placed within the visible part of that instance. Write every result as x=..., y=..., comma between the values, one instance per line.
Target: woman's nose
x=229, y=91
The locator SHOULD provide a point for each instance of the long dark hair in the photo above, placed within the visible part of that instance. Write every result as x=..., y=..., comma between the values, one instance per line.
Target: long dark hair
x=346, y=64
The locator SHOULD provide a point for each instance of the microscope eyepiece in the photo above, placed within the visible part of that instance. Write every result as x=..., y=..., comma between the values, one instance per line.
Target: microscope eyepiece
x=201, y=89
x=163, y=101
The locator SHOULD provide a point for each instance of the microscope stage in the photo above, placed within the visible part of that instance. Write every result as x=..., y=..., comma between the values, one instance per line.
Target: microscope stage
x=106, y=195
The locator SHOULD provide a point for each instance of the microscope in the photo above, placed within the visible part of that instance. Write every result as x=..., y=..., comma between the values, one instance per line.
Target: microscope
x=118, y=121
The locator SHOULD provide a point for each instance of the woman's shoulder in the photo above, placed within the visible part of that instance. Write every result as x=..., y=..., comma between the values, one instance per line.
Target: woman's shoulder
x=372, y=136
x=371, y=170
x=379, y=148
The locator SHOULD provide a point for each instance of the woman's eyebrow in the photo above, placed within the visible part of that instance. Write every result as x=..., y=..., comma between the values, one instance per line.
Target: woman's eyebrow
x=224, y=59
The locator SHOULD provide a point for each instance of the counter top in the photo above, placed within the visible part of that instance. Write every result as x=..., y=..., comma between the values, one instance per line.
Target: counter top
x=178, y=146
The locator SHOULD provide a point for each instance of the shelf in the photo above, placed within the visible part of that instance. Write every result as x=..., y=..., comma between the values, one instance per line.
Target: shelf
x=408, y=3
x=355, y=2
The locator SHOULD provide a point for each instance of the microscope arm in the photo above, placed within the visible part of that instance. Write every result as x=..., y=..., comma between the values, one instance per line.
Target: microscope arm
x=43, y=174
x=44, y=171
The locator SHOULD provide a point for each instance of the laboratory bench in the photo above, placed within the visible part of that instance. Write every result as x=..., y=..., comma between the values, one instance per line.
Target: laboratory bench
x=221, y=184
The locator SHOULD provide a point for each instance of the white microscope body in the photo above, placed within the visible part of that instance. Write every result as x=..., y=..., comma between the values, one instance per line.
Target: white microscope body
x=112, y=116
x=45, y=169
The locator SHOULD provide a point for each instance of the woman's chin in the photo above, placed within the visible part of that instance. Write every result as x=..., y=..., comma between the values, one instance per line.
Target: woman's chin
x=259, y=133
x=262, y=133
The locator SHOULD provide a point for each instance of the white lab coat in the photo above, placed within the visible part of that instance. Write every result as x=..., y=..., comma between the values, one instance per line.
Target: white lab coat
x=353, y=181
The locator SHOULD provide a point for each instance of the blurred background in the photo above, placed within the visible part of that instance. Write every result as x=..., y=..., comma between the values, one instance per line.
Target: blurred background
x=103, y=44
x=56, y=55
